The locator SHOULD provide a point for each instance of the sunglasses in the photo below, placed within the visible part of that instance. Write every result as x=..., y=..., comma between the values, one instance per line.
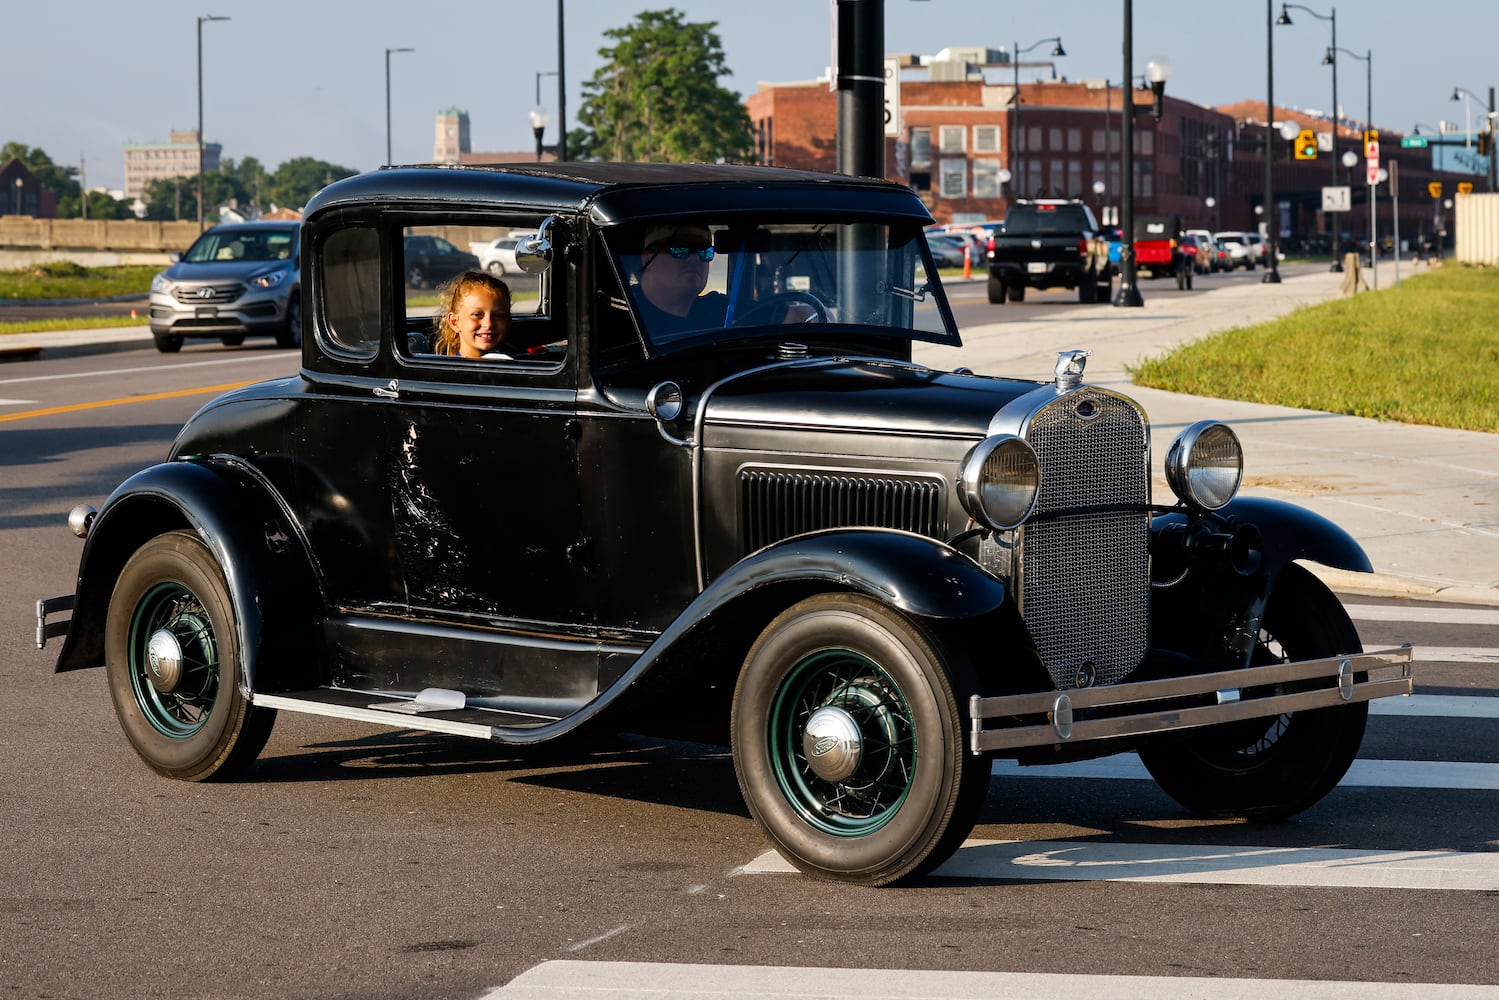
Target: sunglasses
x=704, y=254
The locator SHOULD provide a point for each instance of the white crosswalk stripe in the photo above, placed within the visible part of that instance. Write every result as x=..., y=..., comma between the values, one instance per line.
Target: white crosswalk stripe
x=1432, y=616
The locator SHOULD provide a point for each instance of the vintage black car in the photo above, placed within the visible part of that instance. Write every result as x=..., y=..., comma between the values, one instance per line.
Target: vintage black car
x=756, y=521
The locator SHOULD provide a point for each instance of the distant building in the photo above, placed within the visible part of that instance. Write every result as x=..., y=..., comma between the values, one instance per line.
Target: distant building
x=20, y=194
x=452, y=139
x=146, y=162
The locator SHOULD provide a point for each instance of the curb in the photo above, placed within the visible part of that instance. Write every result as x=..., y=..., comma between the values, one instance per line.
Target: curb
x=1382, y=585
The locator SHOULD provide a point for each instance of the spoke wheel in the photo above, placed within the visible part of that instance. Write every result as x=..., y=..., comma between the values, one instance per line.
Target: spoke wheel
x=848, y=741
x=1271, y=768
x=173, y=663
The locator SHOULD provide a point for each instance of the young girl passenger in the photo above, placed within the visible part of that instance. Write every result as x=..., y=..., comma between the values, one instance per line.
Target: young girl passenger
x=474, y=318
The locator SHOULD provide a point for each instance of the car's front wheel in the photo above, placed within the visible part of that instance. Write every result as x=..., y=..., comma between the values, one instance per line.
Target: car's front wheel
x=168, y=343
x=495, y=268
x=1266, y=769
x=172, y=658
x=848, y=741
x=290, y=333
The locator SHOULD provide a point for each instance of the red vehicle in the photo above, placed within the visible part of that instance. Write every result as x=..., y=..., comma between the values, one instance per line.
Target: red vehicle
x=1158, y=248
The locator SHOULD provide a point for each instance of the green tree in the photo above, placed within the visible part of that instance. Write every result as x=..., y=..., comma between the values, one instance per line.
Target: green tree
x=657, y=95
x=251, y=178
x=297, y=180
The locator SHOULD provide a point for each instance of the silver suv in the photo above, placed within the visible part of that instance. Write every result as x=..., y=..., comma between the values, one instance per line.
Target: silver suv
x=235, y=281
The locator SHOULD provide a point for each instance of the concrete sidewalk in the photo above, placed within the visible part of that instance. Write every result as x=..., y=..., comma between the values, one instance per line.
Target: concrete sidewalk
x=1423, y=501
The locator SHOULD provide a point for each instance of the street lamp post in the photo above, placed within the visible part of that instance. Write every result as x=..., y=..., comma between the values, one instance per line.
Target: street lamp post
x=1157, y=69
x=539, y=120
x=205, y=17
x=1332, y=217
x=1368, y=60
x=387, y=101
x=1272, y=225
x=1015, y=54
x=19, y=185
x=1489, y=126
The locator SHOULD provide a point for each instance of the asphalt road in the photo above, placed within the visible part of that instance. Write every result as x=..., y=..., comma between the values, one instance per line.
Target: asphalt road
x=360, y=862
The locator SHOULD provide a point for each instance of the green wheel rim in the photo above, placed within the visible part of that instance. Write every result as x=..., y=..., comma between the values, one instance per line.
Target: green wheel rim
x=182, y=711
x=869, y=797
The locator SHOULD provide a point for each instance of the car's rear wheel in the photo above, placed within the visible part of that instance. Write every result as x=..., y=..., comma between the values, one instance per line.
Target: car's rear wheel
x=232, y=339
x=1087, y=291
x=996, y=291
x=416, y=277
x=290, y=334
x=172, y=659
x=168, y=343
x=1266, y=769
x=495, y=268
x=848, y=741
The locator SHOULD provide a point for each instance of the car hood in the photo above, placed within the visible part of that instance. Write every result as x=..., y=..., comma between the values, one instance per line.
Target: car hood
x=225, y=270
x=862, y=396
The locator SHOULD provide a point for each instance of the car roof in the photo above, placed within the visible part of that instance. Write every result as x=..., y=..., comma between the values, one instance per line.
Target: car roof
x=618, y=192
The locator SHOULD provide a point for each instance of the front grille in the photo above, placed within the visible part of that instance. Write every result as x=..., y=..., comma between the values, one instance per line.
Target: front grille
x=1085, y=592
x=217, y=294
x=778, y=504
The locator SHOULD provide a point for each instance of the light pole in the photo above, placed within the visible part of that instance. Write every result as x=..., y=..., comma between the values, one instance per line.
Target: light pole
x=1157, y=69
x=1285, y=18
x=561, y=88
x=1015, y=54
x=205, y=17
x=539, y=120
x=387, y=101
x=1489, y=127
x=1272, y=226
x=1368, y=60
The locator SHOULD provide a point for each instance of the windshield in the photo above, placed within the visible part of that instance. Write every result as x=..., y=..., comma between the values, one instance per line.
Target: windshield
x=694, y=282
x=243, y=245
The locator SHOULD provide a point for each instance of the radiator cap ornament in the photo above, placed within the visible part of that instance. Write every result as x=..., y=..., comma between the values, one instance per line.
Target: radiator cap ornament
x=1070, y=365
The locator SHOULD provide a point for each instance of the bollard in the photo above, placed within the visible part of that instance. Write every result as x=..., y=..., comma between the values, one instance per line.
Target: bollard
x=967, y=262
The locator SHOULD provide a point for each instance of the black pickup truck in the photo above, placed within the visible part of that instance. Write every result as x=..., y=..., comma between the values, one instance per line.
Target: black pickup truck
x=1047, y=244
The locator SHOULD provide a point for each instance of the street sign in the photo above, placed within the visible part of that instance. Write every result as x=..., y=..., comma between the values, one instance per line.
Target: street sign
x=1336, y=199
x=1434, y=188
x=892, y=97
x=1413, y=142
x=1324, y=142
x=1373, y=172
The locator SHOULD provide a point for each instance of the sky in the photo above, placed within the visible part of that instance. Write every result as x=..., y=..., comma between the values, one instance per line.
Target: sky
x=289, y=78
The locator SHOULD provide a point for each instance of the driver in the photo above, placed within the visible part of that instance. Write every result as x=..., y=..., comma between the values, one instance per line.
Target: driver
x=674, y=263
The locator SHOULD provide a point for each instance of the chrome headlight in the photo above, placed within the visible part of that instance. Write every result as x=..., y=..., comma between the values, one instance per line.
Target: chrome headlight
x=1205, y=465
x=161, y=283
x=268, y=280
x=999, y=480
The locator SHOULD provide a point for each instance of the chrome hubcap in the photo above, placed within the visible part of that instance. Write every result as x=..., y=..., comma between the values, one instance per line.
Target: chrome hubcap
x=832, y=743
x=164, y=660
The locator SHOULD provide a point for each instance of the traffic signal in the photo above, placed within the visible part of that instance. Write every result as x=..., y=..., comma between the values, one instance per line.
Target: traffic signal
x=1306, y=145
x=1464, y=187
x=1485, y=142
x=1434, y=188
x=1371, y=138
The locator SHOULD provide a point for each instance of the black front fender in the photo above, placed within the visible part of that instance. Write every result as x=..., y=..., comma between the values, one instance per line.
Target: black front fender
x=1287, y=533
x=237, y=516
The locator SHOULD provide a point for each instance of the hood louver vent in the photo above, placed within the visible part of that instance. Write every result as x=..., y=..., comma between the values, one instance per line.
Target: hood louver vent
x=779, y=504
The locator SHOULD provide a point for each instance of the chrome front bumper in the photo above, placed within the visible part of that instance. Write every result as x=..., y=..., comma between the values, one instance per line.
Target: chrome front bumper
x=1061, y=717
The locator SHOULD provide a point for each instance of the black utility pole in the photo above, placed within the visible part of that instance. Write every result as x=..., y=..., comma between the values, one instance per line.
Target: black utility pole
x=1129, y=286
x=1272, y=224
x=861, y=87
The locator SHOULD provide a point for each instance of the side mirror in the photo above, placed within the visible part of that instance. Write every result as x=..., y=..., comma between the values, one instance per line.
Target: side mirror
x=533, y=255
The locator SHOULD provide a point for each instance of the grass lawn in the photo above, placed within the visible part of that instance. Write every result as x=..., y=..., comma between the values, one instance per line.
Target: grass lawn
x=1426, y=352
x=65, y=280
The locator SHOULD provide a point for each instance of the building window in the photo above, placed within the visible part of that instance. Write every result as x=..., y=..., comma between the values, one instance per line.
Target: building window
x=921, y=147
x=1074, y=178
x=1074, y=140
x=1032, y=139
x=954, y=178
x=986, y=179
x=1100, y=140
x=1056, y=181
x=1055, y=139
x=985, y=140
x=951, y=139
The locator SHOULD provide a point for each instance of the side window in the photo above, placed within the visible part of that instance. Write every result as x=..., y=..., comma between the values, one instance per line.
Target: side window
x=434, y=254
x=351, y=290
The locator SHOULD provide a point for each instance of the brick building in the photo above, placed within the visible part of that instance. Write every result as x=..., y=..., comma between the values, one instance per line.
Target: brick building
x=1055, y=138
x=178, y=157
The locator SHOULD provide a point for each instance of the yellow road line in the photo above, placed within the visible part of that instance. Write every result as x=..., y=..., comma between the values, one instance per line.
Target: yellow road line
x=75, y=407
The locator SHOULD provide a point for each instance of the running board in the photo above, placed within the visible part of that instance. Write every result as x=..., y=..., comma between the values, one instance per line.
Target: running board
x=433, y=710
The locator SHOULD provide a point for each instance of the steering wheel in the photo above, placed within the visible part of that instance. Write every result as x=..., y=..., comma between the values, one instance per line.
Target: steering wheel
x=763, y=311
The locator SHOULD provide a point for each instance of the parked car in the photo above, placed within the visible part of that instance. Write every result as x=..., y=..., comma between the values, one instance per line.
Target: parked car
x=1158, y=249
x=236, y=281
x=1237, y=248
x=430, y=260
x=498, y=255
x=1192, y=249
x=1254, y=243
x=1211, y=257
x=760, y=523
x=947, y=250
